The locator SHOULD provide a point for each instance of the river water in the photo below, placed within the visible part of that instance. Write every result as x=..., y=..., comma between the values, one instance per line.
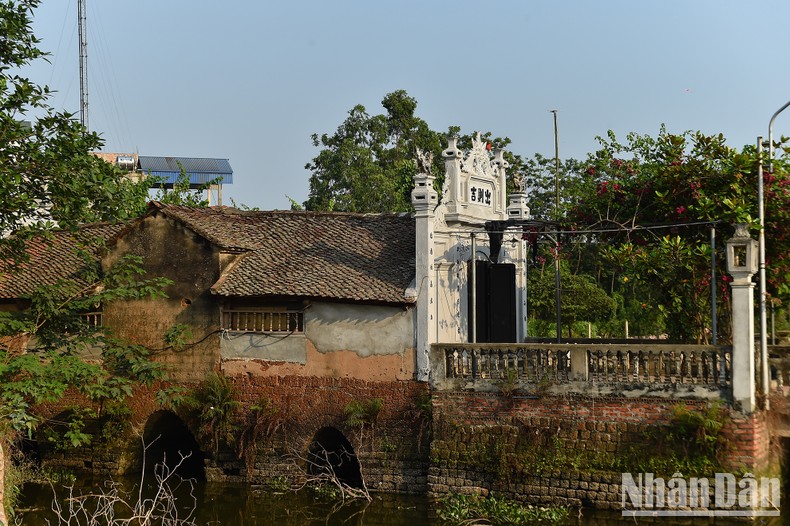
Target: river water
x=236, y=505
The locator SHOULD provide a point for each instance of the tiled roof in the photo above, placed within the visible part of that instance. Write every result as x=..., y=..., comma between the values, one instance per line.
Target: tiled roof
x=54, y=258
x=360, y=257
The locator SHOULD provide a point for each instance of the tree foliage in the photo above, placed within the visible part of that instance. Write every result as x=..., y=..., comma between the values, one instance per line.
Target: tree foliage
x=182, y=193
x=49, y=175
x=51, y=184
x=646, y=207
x=582, y=298
x=368, y=164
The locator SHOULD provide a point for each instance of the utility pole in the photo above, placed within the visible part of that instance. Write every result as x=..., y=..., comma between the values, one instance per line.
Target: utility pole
x=82, y=20
x=556, y=167
x=557, y=282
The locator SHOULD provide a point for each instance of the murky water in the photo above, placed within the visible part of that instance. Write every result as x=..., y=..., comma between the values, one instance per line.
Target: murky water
x=236, y=504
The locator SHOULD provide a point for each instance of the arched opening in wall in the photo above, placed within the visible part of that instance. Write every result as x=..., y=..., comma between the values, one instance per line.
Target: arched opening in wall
x=29, y=451
x=330, y=453
x=167, y=439
x=53, y=437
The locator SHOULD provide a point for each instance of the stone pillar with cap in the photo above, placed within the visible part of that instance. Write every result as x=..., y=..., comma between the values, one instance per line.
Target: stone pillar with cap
x=742, y=265
x=424, y=199
x=501, y=168
x=452, y=171
x=518, y=210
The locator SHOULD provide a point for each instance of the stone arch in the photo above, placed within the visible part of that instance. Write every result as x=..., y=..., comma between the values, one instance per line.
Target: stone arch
x=166, y=438
x=51, y=444
x=331, y=451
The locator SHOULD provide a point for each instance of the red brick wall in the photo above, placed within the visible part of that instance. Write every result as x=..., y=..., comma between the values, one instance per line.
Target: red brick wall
x=749, y=440
x=393, y=454
x=477, y=437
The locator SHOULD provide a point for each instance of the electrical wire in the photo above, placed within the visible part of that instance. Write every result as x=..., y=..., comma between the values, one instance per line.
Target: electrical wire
x=636, y=228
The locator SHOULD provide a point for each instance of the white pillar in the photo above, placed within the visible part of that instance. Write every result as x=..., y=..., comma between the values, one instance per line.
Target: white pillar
x=743, y=345
x=519, y=210
x=452, y=171
x=501, y=166
x=742, y=265
x=424, y=199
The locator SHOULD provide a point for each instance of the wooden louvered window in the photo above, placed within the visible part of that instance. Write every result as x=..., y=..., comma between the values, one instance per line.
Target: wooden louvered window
x=263, y=320
x=93, y=319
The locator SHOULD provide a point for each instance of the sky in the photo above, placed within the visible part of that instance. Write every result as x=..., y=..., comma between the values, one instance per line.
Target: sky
x=252, y=81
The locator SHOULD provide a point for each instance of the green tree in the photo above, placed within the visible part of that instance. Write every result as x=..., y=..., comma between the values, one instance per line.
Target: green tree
x=676, y=183
x=368, y=164
x=50, y=185
x=182, y=193
x=581, y=297
x=540, y=177
x=49, y=175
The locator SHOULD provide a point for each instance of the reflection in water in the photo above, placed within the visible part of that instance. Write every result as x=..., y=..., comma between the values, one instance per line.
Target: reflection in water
x=243, y=505
x=238, y=504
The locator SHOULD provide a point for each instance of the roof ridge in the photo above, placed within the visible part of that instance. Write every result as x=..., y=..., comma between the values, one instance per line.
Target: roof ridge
x=229, y=210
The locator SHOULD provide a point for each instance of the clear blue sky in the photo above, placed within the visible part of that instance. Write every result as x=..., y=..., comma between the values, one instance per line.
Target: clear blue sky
x=251, y=81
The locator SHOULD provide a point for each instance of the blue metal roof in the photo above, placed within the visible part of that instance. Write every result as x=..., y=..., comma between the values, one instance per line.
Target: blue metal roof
x=199, y=170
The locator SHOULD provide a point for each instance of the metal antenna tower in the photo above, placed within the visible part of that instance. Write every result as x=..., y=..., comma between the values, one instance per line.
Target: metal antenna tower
x=83, y=36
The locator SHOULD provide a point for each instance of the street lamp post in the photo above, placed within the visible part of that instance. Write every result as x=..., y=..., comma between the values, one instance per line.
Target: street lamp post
x=771, y=136
x=764, y=376
x=765, y=373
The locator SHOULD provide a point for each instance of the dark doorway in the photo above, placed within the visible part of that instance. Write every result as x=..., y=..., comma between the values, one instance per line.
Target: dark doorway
x=167, y=440
x=495, y=300
x=331, y=453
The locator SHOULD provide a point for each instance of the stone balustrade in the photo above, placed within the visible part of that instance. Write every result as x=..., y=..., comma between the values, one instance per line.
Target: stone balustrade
x=779, y=361
x=696, y=371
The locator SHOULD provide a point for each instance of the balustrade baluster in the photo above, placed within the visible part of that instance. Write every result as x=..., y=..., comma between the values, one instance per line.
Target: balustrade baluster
x=659, y=365
x=692, y=366
x=553, y=364
x=561, y=357
x=548, y=365
x=512, y=358
x=623, y=366
x=464, y=363
x=493, y=363
x=705, y=367
x=597, y=365
x=700, y=360
x=565, y=361
x=532, y=362
x=556, y=368
x=723, y=376
x=691, y=363
x=684, y=367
